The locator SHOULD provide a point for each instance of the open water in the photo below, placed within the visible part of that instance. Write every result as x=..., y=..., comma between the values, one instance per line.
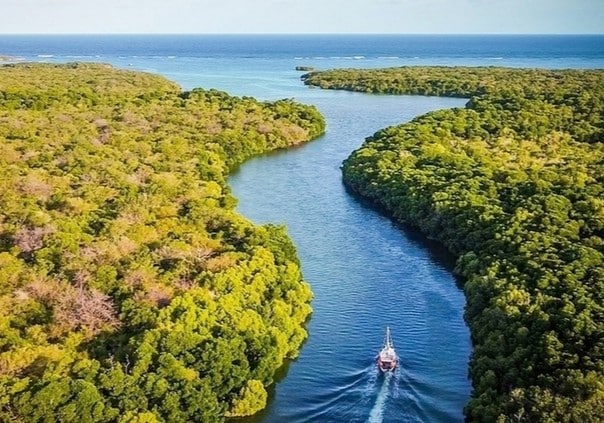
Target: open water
x=365, y=272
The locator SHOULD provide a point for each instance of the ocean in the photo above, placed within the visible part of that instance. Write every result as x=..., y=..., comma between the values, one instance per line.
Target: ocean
x=230, y=62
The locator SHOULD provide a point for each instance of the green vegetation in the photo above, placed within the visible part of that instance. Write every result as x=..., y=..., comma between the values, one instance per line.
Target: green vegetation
x=130, y=289
x=513, y=184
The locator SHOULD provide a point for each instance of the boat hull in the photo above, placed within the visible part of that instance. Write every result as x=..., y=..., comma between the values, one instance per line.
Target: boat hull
x=386, y=365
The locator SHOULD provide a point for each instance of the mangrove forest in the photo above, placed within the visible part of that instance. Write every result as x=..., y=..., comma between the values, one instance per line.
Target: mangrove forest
x=513, y=185
x=130, y=289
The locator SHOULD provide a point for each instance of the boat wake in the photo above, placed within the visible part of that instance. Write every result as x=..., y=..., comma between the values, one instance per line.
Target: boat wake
x=349, y=401
x=377, y=412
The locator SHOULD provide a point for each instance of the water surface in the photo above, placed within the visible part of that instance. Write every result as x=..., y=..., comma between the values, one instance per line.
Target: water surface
x=365, y=273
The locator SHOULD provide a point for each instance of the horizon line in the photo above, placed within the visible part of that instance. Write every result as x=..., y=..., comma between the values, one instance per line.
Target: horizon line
x=308, y=33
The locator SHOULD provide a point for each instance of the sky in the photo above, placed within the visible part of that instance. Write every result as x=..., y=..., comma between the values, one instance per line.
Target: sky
x=303, y=16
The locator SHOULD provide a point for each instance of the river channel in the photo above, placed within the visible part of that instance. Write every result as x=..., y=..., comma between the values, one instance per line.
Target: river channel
x=365, y=273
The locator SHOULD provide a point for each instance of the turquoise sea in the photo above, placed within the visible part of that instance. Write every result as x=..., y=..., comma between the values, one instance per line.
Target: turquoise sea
x=365, y=272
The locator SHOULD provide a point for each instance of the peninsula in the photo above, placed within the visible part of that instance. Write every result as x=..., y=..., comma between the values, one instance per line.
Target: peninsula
x=130, y=288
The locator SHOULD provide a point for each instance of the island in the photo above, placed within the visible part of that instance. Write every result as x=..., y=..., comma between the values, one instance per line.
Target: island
x=513, y=185
x=305, y=68
x=130, y=289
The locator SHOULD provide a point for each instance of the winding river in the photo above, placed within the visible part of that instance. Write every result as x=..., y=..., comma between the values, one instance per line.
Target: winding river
x=366, y=273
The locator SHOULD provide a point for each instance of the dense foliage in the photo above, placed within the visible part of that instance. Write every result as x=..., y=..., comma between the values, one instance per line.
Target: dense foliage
x=130, y=289
x=514, y=185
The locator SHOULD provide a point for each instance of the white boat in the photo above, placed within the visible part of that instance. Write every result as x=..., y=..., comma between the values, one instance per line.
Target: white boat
x=387, y=359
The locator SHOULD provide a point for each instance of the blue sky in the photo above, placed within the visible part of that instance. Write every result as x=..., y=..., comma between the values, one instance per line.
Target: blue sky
x=302, y=16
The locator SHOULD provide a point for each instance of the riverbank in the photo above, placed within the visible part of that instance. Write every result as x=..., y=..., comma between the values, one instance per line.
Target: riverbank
x=365, y=274
x=510, y=184
x=132, y=288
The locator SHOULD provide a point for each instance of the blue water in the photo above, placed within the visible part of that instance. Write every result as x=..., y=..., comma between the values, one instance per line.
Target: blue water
x=241, y=64
x=366, y=273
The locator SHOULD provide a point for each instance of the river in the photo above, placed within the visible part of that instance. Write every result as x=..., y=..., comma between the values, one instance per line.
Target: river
x=365, y=273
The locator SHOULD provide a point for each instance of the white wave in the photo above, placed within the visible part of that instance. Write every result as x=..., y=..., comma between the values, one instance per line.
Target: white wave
x=371, y=373
x=377, y=412
x=358, y=57
x=45, y=56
